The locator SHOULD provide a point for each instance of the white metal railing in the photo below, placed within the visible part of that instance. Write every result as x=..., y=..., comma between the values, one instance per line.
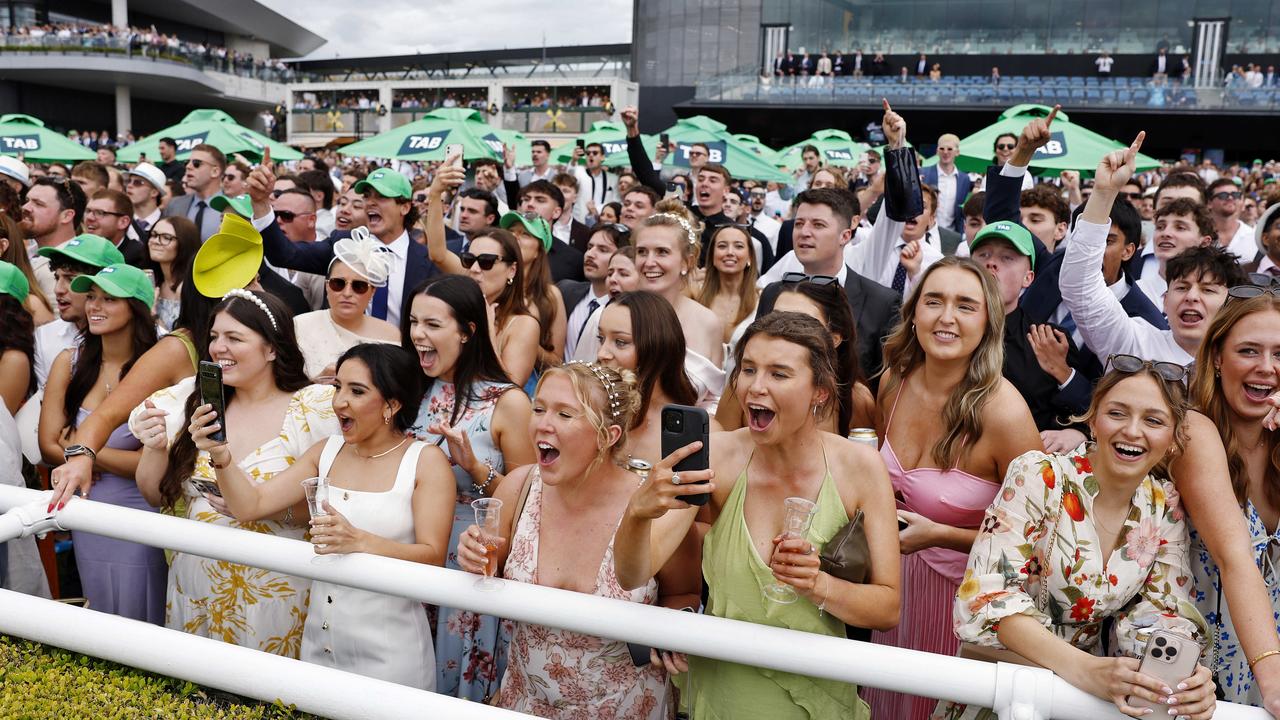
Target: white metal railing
x=1015, y=691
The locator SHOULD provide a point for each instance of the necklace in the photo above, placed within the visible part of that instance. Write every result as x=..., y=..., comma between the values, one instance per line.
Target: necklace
x=384, y=452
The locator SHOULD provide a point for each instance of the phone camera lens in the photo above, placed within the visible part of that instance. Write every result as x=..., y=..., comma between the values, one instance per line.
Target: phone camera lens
x=673, y=422
x=1170, y=652
x=1161, y=642
x=1157, y=653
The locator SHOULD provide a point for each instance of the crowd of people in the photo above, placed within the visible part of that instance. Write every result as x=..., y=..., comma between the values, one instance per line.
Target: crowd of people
x=1064, y=381
x=147, y=42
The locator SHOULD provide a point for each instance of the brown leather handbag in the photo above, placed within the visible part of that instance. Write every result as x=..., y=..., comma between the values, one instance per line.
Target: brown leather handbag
x=846, y=555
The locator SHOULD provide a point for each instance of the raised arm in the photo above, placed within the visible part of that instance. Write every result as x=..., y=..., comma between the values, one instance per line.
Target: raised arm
x=641, y=165
x=870, y=258
x=447, y=179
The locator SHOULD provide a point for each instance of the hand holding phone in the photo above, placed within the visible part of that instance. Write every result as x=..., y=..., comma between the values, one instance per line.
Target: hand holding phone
x=682, y=425
x=1169, y=657
x=453, y=154
x=212, y=393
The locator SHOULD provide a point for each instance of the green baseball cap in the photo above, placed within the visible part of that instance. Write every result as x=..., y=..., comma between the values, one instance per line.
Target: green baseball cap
x=13, y=282
x=120, y=281
x=92, y=250
x=240, y=205
x=1012, y=232
x=534, y=223
x=387, y=183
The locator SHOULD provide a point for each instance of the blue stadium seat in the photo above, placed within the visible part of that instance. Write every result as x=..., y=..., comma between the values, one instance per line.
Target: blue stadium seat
x=1091, y=81
x=1108, y=95
x=1077, y=94
x=1123, y=96
x=1092, y=95
x=1077, y=80
x=1140, y=96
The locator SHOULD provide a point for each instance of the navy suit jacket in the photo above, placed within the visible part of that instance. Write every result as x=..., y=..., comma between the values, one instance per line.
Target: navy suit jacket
x=964, y=186
x=314, y=257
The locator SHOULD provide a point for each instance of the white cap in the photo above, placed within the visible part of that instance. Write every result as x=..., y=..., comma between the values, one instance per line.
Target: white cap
x=151, y=174
x=16, y=169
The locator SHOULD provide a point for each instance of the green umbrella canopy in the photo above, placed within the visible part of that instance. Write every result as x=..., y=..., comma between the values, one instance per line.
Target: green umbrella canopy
x=612, y=136
x=426, y=138
x=835, y=147
x=212, y=127
x=502, y=136
x=1070, y=147
x=27, y=136
x=736, y=156
x=769, y=154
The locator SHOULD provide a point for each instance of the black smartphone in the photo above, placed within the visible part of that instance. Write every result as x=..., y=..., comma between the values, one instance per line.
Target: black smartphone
x=682, y=425
x=639, y=654
x=580, y=143
x=211, y=393
x=664, y=139
x=204, y=486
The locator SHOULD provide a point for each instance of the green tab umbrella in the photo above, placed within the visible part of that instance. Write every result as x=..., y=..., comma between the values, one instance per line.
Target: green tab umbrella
x=769, y=154
x=426, y=138
x=27, y=136
x=736, y=156
x=1070, y=147
x=835, y=147
x=612, y=136
x=211, y=127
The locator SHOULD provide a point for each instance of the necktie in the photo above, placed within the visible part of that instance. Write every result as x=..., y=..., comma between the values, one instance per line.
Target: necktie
x=380, y=302
x=591, y=308
x=900, y=279
x=144, y=224
x=199, y=218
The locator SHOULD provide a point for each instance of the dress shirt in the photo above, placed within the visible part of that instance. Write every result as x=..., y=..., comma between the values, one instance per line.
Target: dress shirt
x=946, y=212
x=1102, y=321
x=578, y=317
x=1242, y=244
x=395, y=281
x=51, y=339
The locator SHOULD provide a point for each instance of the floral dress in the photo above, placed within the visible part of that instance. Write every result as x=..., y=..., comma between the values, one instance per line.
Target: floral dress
x=1231, y=667
x=471, y=649
x=1039, y=530
x=247, y=606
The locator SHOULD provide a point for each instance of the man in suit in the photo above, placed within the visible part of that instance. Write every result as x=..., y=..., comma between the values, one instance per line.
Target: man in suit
x=389, y=206
x=109, y=214
x=584, y=297
x=953, y=185
x=597, y=187
x=203, y=180
x=546, y=200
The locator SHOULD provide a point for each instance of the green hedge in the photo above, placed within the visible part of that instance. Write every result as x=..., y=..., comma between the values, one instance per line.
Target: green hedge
x=38, y=682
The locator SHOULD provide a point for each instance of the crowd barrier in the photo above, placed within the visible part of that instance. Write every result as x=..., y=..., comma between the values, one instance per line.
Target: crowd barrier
x=1016, y=692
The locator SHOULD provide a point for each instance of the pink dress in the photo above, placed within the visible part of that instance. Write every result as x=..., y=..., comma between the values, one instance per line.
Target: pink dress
x=930, y=577
x=565, y=675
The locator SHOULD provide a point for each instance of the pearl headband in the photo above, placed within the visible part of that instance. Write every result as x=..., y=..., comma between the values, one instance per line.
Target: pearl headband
x=246, y=295
x=613, y=389
x=693, y=237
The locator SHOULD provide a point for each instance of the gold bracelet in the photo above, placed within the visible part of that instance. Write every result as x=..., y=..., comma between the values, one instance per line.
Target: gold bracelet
x=1262, y=657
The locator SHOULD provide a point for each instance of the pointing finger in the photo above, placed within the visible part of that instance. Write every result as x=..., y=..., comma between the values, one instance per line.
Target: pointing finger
x=266, y=156
x=1136, y=146
x=1052, y=114
x=886, y=104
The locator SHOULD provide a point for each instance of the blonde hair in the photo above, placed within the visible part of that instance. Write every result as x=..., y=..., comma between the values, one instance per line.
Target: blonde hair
x=962, y=414
x=672, y=213
x=608, y=396
x=1174, y=396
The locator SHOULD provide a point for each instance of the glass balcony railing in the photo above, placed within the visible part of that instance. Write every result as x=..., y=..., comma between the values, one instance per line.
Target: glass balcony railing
x=206, y=60
x=340, y=121
x=570, y=120
x=1070, y=92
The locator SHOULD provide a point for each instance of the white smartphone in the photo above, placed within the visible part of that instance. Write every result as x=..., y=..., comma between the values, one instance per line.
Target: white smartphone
x=1169, y=657
x=453, y=154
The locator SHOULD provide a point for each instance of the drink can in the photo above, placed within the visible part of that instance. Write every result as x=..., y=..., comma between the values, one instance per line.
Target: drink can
x=639, y=467
x=866, y=436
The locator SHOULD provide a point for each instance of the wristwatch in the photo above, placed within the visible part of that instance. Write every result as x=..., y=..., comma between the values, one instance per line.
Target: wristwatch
x=73, y=450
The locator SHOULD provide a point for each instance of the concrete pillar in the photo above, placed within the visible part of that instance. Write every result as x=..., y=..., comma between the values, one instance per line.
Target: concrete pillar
x=120, y=13
x=384, y=99
x=124, y=110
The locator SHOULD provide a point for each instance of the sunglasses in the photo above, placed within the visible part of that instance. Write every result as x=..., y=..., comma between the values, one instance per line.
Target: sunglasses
x=286, y=216
x=792, y=278
x=1132, y=195
x=1006, y=146
x=1130, y=364
x=1228, y=195
x=620, y=227
x=277, y=193
x=486, y=260
x=197, y=164
x=420, y=198
x=359, y=287
x=228, y=177
x=137, y=182
x=1259, y=283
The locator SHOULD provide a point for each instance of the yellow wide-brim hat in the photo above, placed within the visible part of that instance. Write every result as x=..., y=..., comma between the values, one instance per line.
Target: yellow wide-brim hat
x=230, y=259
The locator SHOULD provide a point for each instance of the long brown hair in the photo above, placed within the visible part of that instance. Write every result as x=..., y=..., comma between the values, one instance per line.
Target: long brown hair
x=538, y=293
x=748, y=295
x=798, y=329
x=1207, y=396
x=660, y=349
x=962, y=414
x=1174, y=396
x=511, y=301
x=287, y=370
x=15, y=252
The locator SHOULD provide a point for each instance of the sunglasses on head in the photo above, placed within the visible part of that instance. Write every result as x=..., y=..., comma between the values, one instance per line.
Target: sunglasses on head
x=1259, y=283
x=1130, y=364
x=358, y=287
x=1228, y=195
x=486, y=260
x=792, y=278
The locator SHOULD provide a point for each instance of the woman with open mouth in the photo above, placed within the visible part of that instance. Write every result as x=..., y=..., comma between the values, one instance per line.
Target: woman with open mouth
x=557, y=529
x=667, y=250
x=479, y=418
x=273, y=414
x=826, y=303
x=1237, y=370
x=949, y=425
x=124, y=578
x=785, y=378
x=1098, y=533
x=387, y=495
